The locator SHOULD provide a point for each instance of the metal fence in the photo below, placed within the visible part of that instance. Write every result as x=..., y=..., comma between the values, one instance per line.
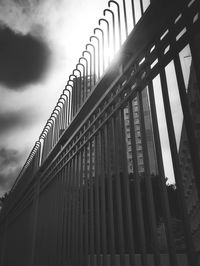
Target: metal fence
x=114, y=177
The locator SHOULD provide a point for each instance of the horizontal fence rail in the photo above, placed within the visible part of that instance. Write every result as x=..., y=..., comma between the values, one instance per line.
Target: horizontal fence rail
x=114, y=176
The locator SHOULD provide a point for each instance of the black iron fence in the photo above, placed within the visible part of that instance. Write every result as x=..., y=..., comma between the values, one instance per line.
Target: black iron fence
x=114, y=177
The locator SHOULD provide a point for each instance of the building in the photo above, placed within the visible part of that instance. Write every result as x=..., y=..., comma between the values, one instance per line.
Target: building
x=138, y=136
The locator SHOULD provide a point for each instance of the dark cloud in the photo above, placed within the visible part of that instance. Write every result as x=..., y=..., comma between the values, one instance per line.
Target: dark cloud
x=8, y=156
x=23, y=58
x=13, y=120
x=10, y=165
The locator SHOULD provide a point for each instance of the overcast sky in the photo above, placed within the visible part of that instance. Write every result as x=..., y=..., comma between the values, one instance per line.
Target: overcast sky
x=40, y=43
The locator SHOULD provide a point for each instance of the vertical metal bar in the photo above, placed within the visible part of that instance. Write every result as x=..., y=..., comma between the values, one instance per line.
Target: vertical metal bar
x=38, y=156
x=67, y=213
x=38, y=236
x=85, y=81
x=141, y=7
x=102, y=48
x=62, y=203
x=46, y=146
x=77, y=92
x=98, y=55
x=91, y=203
x=58, y=207
x=35, y=217
x=56, y=216
x=53, y=195
x=49, y=212
x=47, y=143
x=94, y=62
x=163, y=190
x=72, y=196
x=148, y=186
x=63, y=244
x=62, y=118
x=133, y=12
x=73, y=206
x=73, y=101
x=67, y=113
x=117, y=187
x=35, y=162
x=65, y=109
x=71, y=235
x=74, y=105
x=90, y=75
x=56, y=129
x=58, y=220
x=102, y=198
x=82, y=84
x=68, y=101
x=113, y=22
x=79, y=89
x=188, y=121
x=4, y=242
x=55, y=132
x=96, y=201
x=122, y=137
x=76, y=192
x=53, y=135
x=119, y=19
x=125, y=18
x=138, y=203
x=175, y=160
x=86, y=237
x=59, y=123
x=108, y=36
x=81, y=227
x=69, y=248
x=44, y=149
x=108, y=151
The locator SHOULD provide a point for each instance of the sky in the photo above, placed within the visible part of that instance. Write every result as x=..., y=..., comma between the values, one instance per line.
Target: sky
x=40, y=43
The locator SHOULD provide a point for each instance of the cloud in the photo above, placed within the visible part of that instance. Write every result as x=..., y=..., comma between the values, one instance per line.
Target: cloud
x=19, y=15
x=33, y=17
x=24, y=58
x=10, y=121
x=10, y=164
